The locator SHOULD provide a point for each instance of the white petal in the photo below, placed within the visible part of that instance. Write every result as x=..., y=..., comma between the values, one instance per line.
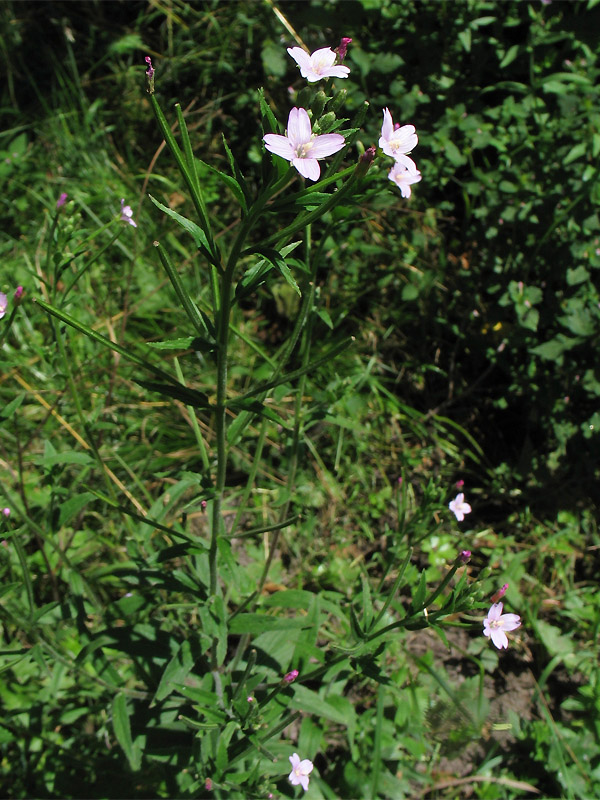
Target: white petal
x=324, y=56
x=499, y=638
x=387, y=129
x=300, y=56
x=299, y=130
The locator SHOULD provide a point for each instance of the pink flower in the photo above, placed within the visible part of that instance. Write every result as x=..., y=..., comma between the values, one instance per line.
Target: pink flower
x=61, y=200
x=3, y=304
x=497, y=623
x=458, y=507
x=290, y=677
x=321, y=64
x=404, y=178
x=18, y=293
x=300, y=771
x=464, y=556
x=301, y=146
x=127, y=214
x=397, y=143
x=6, y=512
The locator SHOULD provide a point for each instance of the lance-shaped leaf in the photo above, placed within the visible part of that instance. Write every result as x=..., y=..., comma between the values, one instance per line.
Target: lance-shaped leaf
x=277, y=260
x=190, y=397
x=190, y=226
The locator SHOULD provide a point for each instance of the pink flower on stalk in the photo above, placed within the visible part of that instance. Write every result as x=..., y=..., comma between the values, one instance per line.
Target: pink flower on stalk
x=61, y=200
x=404, y=178
x=458, y=507
x=127, y=214
x=290, y=677
x=3, y=304
x=398, y=142
x=301, y=146
x=300, y=771
x=321, y=64
x=496, y=623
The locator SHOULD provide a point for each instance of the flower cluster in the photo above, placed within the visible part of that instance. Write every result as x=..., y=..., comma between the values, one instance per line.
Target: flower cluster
x=396, y=141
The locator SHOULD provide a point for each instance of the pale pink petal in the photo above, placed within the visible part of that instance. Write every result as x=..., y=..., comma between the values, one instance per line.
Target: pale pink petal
x=280, y=145
x=406, y=137
x=308, y=168
x=303, y=127
x=495, y=612
x=510, y=622
x=323, y=57
x=407, y=162
x=326, y=145
x=300, y=57
x=387, y=129
x=499, y=638
x=304, y=782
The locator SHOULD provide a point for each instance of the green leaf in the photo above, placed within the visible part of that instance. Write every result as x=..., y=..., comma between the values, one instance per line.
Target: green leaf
x=68, y=457
x=510, y=56
x=277, y=260
x=176, y=671
x=122, y=729
x=190, y=397
x=10, y=408
x=555, y=347
x=260, y=623
x=73, y=506
x=196, y=343
x=196, y=231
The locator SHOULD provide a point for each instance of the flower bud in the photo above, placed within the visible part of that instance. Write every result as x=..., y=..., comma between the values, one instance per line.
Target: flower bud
x=61, y=200
x=464, y=556
x=325, y=124
x=343, y=47
x=18, y=295
x=365, y=162
x=500, y=593
x=149, y=75
x=290, y=677
x=305, y=97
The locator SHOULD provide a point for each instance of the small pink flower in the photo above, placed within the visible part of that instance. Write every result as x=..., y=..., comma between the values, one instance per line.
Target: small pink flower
x=6, y=512
x=404, y=178
x=61, y=200
x=18, y=293
x=496, y=623
x=300, y=771
x=249, y=699
x=458, y=507
x=398, y=142
x=3, y=304
x=500, y=593
x=150, y=70
x=301, y=146
x=460, y=484
x=464, y=556
x=290, y=677
x=321, y=64
x=208, y=785
x=127, y=214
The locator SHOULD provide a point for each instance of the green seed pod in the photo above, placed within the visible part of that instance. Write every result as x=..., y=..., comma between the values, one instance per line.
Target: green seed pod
x=318, y=104
x=339, y=98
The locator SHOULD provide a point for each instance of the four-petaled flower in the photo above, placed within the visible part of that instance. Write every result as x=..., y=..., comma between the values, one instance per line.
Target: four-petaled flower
x=127, y=214
x=397, y=142
x=496, y=623
x=458, y=507
x=403, y=177
x=301, y=146
x=300, y=771
x=318, y=65
x=3, y=304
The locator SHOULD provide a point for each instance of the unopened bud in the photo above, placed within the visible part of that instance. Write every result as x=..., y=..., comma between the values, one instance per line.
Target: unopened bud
x=365, y=162
x=61, y=200
x=18, y=295
x=325, y=124
x=6, y=512
x=290, y=677
x=149, y=75
x=343, y=47
x=464, y=556
x=500, y=593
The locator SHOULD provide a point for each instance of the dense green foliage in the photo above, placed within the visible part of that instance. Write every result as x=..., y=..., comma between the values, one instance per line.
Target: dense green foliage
x=476, y=312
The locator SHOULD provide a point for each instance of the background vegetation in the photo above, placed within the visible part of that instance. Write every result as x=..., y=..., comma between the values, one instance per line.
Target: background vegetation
x=476, y=312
